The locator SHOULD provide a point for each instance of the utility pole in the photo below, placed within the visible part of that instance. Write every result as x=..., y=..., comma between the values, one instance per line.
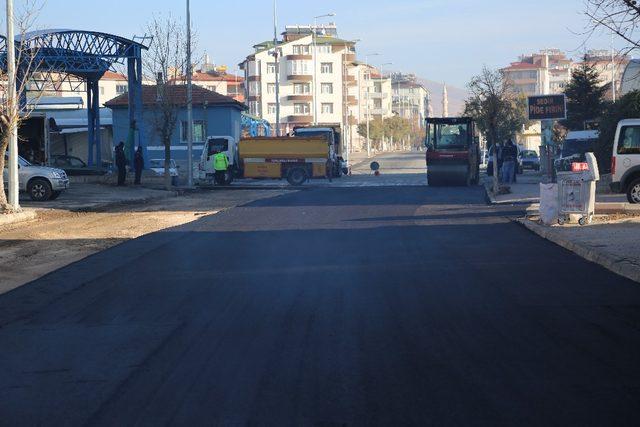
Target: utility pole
x=189, y=102
x=14, y=200
x=613, y=70
x=275, y=54
x=367, y=80
x=382, y=99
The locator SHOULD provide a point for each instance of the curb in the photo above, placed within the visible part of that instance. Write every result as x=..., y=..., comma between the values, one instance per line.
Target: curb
x=616, y=265
x=16, y=218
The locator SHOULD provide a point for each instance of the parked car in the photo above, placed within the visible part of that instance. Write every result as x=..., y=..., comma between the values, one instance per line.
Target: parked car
x=574, y=147
x=529, y=159
x=74, y=166
x=157, y=167
x=41, y=182
x=625, y=161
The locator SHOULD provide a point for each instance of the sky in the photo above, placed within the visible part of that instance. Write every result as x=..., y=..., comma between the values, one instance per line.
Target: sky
x=441, y=40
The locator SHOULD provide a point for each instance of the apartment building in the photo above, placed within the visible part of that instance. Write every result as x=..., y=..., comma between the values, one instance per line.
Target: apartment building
x=410, y=98
x=545, y=72
x=111, y=85
x=316, y=84
x=221, y=82
x=611, y=68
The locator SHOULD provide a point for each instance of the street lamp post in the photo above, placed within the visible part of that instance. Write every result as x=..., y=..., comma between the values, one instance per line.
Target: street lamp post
x=315, y=64
x=12, y=112
x=368, y=73
x=189, y=102
x=277, y=60
x=382, y=94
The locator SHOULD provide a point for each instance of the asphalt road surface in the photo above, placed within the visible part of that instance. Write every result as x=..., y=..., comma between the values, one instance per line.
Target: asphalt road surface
x=399, y=305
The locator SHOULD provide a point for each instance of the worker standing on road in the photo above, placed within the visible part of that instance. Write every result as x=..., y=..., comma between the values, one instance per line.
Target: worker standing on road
x=220, y=166
x=509, y=158
x=121, y=164
x=138, y=164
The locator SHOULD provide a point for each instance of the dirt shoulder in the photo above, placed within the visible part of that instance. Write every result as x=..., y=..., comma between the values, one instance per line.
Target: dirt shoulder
x=29, y=250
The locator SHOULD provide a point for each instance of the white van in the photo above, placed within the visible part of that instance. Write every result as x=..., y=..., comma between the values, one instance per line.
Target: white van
x=206, y=173
x=625, y=162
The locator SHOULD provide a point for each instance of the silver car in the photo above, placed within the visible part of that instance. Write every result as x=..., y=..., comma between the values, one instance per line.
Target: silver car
x=41, y=182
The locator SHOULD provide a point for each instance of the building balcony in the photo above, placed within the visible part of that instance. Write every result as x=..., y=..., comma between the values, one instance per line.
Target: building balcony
x=349, y=57
x=298, y=57
x=300, y=119
x=377, y=95
x=300, y=98
x=378, y=111
x=350, y=78
x=254, y=78
x=254, y=98
x=352, y=100
x=300, y=77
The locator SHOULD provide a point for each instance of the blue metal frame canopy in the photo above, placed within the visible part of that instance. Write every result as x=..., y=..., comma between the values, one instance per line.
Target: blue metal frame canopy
x=87, y=55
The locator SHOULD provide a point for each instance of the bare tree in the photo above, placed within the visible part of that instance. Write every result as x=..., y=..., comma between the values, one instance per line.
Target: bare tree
x=498, y=110
x=620, y=16
x=165, y=62
x=12, y=111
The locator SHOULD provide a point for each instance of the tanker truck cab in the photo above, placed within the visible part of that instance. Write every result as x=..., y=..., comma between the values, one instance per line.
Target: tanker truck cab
x=214, y=144
x=453, y=151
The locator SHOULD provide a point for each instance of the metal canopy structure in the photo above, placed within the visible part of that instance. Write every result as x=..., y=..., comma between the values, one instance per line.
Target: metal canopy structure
x=53, y=58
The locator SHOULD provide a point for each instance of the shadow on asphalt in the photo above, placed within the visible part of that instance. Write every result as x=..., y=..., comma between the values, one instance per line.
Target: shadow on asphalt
x=378, y=196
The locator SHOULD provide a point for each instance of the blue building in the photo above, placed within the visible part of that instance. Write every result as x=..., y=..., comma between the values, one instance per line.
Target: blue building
x=213, y=115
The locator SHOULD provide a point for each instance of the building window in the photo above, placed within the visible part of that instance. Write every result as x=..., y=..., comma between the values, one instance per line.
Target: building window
x=120, y=89
x=254, y=88
x=301, y=88
x=300, y=49
x=326, y=68
x=199, y=131
x=377, y=104
x=211, y=88
x=254, y=108
x=326, y=88
x=271, y=68
x=324, y=48
x=297, y=68
x=301, y=109
x=271, y=88
x=271, y=108
x=327, y=108
x=377, y=87
x=101, y=90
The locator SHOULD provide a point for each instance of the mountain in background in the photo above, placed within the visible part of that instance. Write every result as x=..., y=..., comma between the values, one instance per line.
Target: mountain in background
x=457, y=97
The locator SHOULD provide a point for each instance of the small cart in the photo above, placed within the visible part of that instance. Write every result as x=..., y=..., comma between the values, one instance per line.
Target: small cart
x=577, y=192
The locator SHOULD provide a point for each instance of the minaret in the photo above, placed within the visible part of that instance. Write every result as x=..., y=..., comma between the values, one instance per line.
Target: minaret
x=445, y=102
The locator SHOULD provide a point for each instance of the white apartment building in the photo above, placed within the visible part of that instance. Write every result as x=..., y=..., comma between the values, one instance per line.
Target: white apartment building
x=111, y=85
x=545, y=72
x=316, y=85
x=410, y=98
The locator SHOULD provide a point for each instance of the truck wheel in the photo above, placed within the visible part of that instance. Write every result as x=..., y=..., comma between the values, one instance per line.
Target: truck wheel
x=39, y=190
x=633, y=191
x=297, y=176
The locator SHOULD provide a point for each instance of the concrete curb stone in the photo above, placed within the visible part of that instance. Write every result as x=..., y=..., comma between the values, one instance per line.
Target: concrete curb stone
x=617, y=265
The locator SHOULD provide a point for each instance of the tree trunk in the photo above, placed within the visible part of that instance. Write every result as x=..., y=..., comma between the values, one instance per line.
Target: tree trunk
x=167, y=163
x=496, y=181
x=4, y=204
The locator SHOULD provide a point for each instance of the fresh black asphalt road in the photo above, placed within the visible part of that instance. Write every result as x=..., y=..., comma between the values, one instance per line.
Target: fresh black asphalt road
x=332, y=306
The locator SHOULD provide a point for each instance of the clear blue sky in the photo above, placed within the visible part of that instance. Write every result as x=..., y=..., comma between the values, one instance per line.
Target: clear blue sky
x=440, y=40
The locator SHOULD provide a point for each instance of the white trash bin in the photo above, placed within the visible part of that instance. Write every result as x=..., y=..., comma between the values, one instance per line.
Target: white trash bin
x=577, y=193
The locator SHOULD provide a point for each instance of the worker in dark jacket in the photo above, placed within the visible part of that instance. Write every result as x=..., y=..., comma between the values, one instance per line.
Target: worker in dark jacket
x=509, y=162
x=138, y=164
x=121, y=164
